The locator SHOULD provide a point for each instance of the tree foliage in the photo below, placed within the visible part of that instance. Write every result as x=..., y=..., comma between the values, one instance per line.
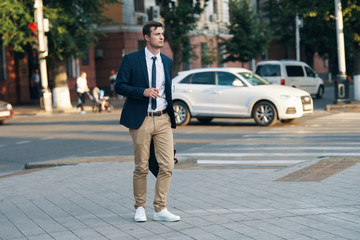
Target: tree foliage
x=72, y=24
x=15, y=16
x=180, y=19
x=319, y=28
x=249, y=37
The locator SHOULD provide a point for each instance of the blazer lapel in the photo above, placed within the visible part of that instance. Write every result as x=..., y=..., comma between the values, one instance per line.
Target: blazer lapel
x=142, y=61
x=167, y=77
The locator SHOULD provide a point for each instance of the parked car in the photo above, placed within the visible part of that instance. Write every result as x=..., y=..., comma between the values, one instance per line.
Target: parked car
x=6, y=111
x=291, y=73
x=236, y=93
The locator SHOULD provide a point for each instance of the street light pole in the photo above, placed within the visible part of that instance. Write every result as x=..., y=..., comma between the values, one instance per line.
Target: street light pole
x=297, y=36
x=341, y=83
x=39, y=19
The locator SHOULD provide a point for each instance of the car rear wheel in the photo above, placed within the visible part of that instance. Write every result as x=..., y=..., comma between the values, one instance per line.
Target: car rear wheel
x=320, y=92
x=182, y=114
x=265, y=114
x=204, y=119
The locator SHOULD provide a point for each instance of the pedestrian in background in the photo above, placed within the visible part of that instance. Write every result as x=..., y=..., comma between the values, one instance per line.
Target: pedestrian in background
x=144, y=78
x=112, y=80
x=35, y=79
x=81, y=89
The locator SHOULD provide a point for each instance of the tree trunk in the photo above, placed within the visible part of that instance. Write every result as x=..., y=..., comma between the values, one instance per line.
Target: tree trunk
x=177, y=61
x=61, y=93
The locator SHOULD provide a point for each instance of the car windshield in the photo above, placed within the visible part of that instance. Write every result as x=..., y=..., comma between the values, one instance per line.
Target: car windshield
x=254, y=79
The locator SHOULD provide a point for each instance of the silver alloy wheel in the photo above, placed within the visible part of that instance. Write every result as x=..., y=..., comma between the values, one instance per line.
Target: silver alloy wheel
x=265, y=114
x=180, y=113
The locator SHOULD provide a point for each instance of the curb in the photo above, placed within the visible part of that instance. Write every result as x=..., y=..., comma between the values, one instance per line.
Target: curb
x=47, y=164
x=344, y=106
x=182, y=164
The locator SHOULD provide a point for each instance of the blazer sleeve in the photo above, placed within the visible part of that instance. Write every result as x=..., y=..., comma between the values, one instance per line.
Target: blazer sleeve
x=123, y=84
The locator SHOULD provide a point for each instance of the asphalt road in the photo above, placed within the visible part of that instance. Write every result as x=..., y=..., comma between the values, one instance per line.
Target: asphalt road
x=26, y=139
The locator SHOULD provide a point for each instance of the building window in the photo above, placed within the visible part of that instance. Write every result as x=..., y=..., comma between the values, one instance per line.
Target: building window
x=204, y=54
x=215, y=6
x=2, y=62
x=139, y=5
x=85, y=60
x=71, y=67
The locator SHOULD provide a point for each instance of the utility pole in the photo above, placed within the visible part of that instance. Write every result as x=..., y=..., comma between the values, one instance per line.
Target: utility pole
x=298, y=24
x=341, y=83
x=39, y=19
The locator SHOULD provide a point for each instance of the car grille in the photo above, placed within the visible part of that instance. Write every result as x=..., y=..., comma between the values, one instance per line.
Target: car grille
x=291, y=110
x=306, y=103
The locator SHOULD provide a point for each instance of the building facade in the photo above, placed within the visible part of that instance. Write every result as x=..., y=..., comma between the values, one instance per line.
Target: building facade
x=125, y=36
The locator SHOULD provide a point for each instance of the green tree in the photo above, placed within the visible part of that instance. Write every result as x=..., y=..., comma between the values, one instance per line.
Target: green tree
x=351, y=16
x=15, y=18
x=180, y=19
x=72, y=29
x=249, y=37
x=319, y=29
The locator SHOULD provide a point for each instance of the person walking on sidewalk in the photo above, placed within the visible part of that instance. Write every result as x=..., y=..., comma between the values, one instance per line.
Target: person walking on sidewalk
x=81, y=89
x=144, y=77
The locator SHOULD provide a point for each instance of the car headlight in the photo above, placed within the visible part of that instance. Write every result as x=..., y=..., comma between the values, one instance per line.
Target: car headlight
x=9, y=106
x=289, y=98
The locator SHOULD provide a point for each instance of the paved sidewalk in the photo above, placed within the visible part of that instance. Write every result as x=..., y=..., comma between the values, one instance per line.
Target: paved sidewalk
x=94, y=201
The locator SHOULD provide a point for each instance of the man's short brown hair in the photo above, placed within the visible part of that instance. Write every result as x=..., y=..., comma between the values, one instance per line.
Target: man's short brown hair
x=147, y=27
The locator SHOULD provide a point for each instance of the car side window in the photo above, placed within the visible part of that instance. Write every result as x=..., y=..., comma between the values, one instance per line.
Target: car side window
x=203, y=78
x=187, y=79
x=294, y=71
x=225, y=78
x=309, y=72
x=272, y=70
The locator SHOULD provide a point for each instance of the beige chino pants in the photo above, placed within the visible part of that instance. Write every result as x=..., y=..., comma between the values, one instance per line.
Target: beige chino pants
x=158, y=128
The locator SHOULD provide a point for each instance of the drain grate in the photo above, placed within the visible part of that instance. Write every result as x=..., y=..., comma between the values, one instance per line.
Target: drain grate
x=320, y=170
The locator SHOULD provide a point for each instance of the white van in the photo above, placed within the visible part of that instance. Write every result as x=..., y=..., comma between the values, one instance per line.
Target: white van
x=291, y=73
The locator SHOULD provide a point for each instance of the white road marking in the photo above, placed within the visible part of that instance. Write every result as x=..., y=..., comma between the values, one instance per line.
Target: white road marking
x=246, y=162
x=46, y=138
x=315, y=154
x=23, y=142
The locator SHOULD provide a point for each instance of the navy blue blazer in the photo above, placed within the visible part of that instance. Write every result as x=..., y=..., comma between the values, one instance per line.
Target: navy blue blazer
x=132, y=80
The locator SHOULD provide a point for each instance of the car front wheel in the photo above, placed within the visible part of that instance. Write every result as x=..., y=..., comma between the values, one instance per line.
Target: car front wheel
x=182, y=114
x=265, y=114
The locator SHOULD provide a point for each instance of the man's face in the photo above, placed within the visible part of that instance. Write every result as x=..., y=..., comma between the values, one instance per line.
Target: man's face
x=156, y=39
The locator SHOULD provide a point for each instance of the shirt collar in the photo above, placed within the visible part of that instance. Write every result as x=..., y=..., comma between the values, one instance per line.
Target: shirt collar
x=149, y=55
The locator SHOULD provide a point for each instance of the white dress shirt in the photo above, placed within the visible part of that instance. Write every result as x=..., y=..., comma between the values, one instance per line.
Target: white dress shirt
x=161, y=102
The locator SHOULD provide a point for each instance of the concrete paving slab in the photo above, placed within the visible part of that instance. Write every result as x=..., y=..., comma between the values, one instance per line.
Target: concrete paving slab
x=94, y=201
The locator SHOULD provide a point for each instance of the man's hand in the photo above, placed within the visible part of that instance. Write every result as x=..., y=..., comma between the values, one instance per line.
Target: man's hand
x=151, y=92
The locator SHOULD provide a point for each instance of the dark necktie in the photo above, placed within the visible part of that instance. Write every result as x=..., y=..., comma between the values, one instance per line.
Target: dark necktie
x=153, y=82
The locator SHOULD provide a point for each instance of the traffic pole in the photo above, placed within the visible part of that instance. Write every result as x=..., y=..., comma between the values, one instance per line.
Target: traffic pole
x=341, y=83
x=39, y=19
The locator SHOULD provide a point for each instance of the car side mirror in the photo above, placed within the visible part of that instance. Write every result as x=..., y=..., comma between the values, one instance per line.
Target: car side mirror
x=237, y=83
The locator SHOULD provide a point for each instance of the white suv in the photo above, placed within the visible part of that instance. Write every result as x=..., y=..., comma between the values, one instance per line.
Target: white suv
x=209, y=93
x=291, y=73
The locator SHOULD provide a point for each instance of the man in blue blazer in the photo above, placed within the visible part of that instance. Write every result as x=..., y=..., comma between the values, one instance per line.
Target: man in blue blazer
x=144, y=77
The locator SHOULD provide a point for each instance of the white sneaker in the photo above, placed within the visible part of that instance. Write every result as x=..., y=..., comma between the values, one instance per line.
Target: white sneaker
x=82, y=112
x=165, y=215
x=76, y=109
x=140, y=215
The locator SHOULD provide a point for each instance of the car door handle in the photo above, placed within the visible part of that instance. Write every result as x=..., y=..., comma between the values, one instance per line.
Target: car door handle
x=218, y=92
x=189, y=91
